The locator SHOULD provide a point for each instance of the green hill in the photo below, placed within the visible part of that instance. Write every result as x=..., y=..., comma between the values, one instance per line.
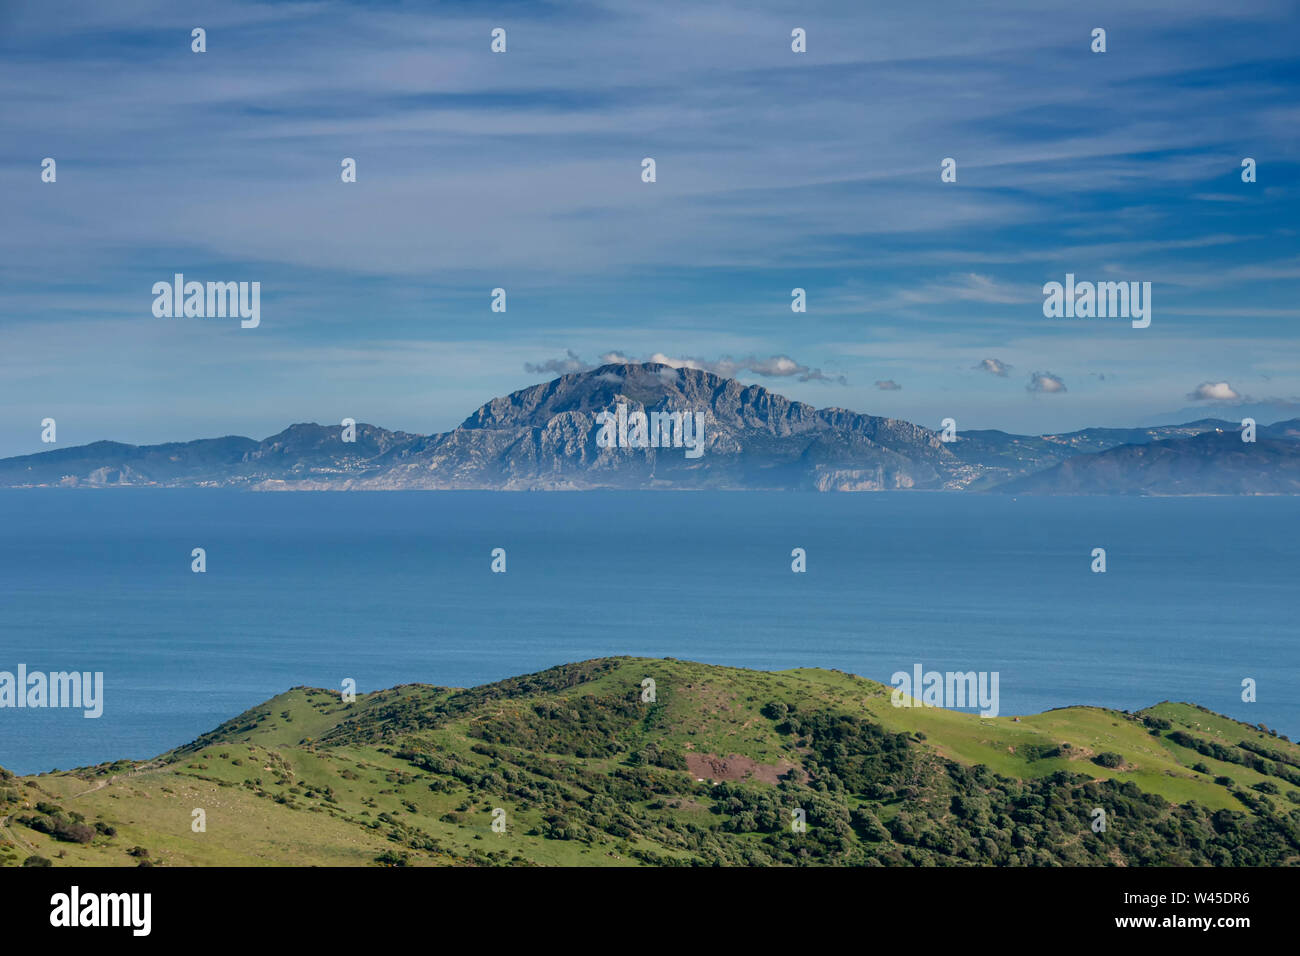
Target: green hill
x=714, y=771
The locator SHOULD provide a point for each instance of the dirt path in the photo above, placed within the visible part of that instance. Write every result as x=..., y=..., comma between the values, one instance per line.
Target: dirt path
x=105, y=781
x=98, y=786
x=13, y=834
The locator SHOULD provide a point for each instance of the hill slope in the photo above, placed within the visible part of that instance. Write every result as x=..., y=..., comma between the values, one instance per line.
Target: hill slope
x=299, y=452
x=1002, y=456
x=710, y=772
x=1214, y=463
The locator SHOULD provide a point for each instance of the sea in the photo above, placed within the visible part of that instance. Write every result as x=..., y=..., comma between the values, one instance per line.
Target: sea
x=388, y=588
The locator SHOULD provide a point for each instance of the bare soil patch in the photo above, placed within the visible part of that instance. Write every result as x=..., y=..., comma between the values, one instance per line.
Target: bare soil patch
x=736, y=768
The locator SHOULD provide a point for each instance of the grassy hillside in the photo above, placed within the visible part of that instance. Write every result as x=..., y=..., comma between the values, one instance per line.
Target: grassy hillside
x=708, y=773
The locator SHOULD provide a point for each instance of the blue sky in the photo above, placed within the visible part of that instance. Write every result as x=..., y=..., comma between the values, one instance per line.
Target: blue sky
x=522, y=170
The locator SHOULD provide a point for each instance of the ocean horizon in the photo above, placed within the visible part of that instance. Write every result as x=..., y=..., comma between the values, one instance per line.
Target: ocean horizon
x=394, y=588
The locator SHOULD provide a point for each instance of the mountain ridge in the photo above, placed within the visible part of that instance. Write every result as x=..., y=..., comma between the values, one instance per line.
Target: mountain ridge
x=545, y=437
x=1209, y=463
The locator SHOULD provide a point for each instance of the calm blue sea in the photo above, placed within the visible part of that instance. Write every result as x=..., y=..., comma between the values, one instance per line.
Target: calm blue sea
x=392, y=588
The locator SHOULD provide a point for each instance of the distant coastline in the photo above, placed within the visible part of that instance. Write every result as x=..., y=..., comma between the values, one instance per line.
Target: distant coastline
x=559, y=436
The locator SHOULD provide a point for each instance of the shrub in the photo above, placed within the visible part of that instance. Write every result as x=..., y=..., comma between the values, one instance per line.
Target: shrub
x=775, y=710
x=1032, y=752
x=70, y=832
x=59, y=827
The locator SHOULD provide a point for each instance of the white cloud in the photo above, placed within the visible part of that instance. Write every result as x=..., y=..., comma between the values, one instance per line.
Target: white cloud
x=1213, y=392
x=778, y=366
x=1045, y=382
x=570, y=363
x=994, y=367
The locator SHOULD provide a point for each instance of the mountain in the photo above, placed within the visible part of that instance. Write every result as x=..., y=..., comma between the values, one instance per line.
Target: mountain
x=580, y=770
x=1213, y=463
x=1003, y=456
x=300, y=451
x=1288, y=430
x=1261, y=411
x=545, y=437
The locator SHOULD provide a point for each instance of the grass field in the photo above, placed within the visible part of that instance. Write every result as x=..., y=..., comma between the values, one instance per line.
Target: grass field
x=711, y=771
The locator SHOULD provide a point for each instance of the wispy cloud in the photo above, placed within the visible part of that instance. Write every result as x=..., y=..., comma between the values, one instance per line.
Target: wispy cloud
x=522, y=170
x=562, y=366
x=970, y=287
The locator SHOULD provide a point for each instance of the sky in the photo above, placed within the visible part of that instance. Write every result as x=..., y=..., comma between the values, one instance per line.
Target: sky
x=522, y=170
